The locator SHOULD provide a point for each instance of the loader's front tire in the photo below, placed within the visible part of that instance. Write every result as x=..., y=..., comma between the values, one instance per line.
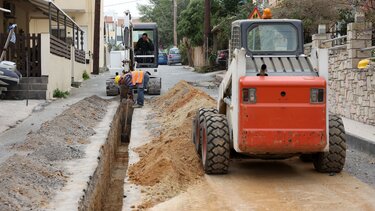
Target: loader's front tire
x=195, y=133
x=215, y=144
x=333, y=161
x=197, y=130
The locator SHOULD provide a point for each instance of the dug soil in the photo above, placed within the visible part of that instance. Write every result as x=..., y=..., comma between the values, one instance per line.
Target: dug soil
x=31, y=177
x=169, y=164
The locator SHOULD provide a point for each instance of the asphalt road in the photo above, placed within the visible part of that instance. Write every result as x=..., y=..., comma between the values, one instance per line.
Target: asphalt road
x=173, y=74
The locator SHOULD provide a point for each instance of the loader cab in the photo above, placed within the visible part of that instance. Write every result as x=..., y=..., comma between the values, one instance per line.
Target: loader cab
x=277, y=43
x=268, y=37
x=145, y=56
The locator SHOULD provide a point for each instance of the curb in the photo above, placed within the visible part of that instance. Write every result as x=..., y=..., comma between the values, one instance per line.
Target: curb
x=360, y=144
x=219, y=77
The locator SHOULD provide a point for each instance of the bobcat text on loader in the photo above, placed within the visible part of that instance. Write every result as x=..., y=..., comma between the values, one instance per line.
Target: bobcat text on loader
x=276, y=116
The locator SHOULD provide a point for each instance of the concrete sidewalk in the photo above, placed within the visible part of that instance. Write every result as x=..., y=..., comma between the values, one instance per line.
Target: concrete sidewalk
x=33, y=120
x=13, y=112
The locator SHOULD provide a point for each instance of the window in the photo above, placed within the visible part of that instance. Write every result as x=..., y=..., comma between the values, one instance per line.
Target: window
x=272, y=37
x=174, y=51
x=55, y=32
x=138, y=35
x=235, y=38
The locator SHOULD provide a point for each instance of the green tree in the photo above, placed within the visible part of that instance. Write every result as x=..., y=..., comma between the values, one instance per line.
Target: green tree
x=161, y=12
x=312, y=13
x=225, y=14
x=190, y=22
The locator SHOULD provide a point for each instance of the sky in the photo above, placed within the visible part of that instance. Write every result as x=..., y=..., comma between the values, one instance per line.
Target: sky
x=119, y=6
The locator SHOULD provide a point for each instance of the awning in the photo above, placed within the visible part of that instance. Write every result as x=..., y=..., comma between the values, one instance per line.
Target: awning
x=57, y=14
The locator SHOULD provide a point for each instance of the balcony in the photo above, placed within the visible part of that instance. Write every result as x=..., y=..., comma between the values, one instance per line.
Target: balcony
x=72, y=5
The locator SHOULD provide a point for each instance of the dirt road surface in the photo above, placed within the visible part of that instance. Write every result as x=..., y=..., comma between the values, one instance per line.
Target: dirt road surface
x=250, y=184
x=274, y=185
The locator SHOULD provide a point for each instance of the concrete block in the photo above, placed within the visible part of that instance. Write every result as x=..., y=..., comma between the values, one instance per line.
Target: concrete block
x=356, y=44
x=22, y=94
x=359, y=17
x=352, y=35
x=358, y=26
x=368, y=43
x=349, y=27
x=352, y=53
x=372, y=100
x=365, y=94
x=365, y=111
x=372, y=113
x=362, y=76
x=363, y=35
x=363, y=54
x=369, y=83
x=358, y=111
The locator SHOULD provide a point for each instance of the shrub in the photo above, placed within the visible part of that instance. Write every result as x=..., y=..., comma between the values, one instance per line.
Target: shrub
x=85, y=76
x=57, y=93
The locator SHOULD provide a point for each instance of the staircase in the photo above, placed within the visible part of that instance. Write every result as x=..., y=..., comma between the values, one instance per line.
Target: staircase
x=31, y=88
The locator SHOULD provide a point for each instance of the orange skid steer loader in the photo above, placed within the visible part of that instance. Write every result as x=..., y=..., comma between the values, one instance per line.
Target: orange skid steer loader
x=277, y=115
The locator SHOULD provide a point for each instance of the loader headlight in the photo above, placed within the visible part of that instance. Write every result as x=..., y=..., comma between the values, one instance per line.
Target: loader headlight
x=317, y=96
x=249, y=95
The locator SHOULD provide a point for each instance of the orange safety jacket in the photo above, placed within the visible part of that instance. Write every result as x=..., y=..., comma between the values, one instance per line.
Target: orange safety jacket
x=137, y=77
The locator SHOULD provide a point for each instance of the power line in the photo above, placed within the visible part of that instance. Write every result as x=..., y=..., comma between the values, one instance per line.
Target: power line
x=111, y=5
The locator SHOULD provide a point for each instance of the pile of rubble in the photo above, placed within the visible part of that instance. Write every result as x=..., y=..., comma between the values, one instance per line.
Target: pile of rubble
x=31, y=177
x=169, y=163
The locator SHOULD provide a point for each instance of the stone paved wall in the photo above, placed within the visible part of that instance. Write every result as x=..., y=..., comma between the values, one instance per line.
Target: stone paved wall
x=352, y=90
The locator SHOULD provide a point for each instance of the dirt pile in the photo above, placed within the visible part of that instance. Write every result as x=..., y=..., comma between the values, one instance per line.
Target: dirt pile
x=30, y=181
x=169, y=163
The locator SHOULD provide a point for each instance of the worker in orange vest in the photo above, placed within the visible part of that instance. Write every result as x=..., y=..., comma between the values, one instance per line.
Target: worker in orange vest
x=137, y=80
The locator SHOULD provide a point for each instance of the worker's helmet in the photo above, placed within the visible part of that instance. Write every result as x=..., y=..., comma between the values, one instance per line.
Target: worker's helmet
x=267, y=14
x=363, y=63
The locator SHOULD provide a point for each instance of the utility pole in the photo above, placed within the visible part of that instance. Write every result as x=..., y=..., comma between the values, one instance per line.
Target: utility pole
x=207, y=26
x=175, y=22
x=96, y=41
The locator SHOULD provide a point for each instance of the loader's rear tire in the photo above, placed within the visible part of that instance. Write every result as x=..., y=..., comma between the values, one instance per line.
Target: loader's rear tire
x=215, y=144
x=201, y=113
x=334, y=160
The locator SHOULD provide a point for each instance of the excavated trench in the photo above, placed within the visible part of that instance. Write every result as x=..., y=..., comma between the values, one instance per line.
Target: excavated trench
x=105, y=189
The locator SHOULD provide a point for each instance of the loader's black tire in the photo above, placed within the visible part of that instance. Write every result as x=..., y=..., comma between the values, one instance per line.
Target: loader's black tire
x=306, y=158
x=195, y=132
x=201, y=113
x=154, y=86
x=334, y=160
x=215, y=144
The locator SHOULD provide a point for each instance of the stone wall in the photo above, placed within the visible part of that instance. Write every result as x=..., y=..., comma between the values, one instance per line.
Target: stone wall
x=352, y=90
